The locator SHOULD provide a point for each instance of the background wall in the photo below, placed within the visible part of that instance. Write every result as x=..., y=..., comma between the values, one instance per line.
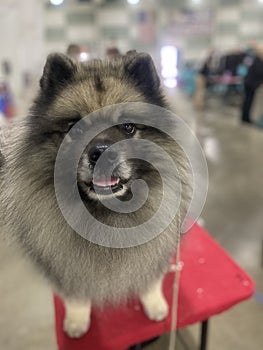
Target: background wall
x=237, y=22
x=30, y=29
x=100, y=26
x=194, y=26
x=22, y=42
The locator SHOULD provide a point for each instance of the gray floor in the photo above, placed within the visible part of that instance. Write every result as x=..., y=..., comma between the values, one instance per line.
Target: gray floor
x=232, y=214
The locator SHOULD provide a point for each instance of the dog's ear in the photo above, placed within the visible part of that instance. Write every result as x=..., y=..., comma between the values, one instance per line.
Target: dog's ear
x=58, y=71
x=141, y=69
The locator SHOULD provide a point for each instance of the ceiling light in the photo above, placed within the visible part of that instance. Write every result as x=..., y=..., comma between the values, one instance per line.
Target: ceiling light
x=56, y=2
x=133, y=2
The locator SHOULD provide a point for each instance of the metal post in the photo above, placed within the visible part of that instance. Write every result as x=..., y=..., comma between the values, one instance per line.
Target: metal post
x=204, y=330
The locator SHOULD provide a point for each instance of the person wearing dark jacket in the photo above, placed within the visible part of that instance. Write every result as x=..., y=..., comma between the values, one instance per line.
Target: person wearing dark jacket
x=252, y=81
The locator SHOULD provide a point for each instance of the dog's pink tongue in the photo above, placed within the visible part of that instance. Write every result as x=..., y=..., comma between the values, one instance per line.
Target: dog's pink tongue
x=105, y=182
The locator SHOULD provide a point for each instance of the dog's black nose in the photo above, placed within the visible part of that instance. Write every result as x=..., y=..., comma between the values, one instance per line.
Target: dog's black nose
x=95, y=152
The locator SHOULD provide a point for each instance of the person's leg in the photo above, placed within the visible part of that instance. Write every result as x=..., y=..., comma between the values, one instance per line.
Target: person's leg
x=199, y=96
x=247, y=103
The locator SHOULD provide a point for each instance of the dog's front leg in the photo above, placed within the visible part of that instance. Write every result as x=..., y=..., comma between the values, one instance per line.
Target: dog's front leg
x=154, y=303
x=77, y=317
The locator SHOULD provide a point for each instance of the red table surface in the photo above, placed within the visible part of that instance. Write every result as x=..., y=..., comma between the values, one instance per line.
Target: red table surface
x=210, y=283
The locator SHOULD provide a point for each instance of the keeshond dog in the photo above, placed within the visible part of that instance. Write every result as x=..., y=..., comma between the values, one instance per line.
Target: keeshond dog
x=83, y=272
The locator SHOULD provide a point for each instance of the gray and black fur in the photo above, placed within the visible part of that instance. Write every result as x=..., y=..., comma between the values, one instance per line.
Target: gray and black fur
x=76, y=267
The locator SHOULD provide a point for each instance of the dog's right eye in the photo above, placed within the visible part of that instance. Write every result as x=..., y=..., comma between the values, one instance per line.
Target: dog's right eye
x=75, y=131
x=70, y=126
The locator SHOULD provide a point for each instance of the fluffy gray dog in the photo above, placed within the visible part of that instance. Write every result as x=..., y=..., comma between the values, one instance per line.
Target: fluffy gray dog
x=82, y=272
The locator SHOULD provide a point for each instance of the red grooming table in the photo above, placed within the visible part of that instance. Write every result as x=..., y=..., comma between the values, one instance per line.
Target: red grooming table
x=210, y=283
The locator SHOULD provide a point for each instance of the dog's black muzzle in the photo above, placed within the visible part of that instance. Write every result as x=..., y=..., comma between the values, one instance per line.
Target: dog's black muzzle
x=96, y=151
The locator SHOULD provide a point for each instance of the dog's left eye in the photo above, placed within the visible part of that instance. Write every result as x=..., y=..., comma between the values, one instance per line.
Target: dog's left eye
x=129, y=128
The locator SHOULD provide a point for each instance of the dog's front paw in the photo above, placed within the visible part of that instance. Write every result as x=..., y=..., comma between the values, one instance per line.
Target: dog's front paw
x=77, y=318
x=156, y=309
x=76, y=326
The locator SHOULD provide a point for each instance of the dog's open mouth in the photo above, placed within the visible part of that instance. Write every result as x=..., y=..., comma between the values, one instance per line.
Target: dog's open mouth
x=103, y=185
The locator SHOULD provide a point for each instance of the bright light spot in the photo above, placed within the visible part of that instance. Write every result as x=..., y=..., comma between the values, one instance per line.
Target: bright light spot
x=170, y=83
x=261, y=1
x=84, y=56
x=196, y=1
x=169, y=65
x=56, y=2
x=133, y=2
x=168, y=72
x=169, y=56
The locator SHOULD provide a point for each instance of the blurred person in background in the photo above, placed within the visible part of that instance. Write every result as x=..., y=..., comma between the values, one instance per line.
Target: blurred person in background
x=253, y=80
x=208, y=68
x=7, y=110
x=73, y=52
x=112, y=53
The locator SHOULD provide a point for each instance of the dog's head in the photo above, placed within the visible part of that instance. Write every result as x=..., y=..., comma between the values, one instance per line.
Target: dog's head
x=71, y=93
x=116, y=112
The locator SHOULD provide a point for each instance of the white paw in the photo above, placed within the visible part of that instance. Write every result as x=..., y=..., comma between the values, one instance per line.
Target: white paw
x=75, y=327
x=156, y=309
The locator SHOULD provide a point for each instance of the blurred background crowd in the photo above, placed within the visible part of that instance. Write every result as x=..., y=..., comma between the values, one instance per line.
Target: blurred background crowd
x=207, y=48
